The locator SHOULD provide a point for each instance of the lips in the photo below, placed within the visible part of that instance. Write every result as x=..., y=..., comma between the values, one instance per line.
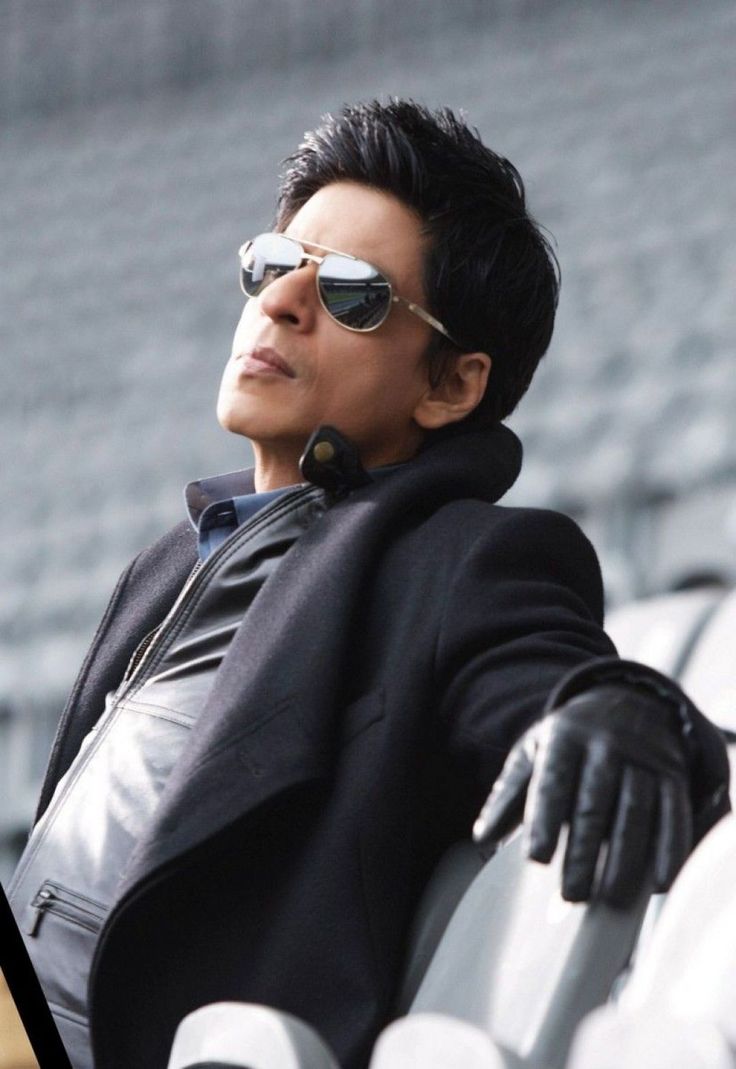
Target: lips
x=263, y=360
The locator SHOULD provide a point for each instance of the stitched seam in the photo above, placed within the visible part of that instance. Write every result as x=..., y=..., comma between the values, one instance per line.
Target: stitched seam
x=76, y=894
x=154, y=709
x=279, y=709
x=70, y=1015
x=73, y=773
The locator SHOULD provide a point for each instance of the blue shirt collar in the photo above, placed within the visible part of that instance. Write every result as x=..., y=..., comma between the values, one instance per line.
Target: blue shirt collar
x=218, y=504
x=201, y=493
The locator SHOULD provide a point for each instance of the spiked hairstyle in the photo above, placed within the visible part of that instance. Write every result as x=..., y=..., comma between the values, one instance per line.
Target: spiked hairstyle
x=490, y=275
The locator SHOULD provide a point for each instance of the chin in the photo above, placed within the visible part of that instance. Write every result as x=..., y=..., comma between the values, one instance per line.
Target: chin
x=231, y=420
x=234, y=427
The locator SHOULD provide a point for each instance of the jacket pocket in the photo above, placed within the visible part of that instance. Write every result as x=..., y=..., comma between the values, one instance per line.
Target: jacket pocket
x=54, y=899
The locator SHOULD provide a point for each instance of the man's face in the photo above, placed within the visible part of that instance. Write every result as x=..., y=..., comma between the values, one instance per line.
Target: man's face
x=293, y=368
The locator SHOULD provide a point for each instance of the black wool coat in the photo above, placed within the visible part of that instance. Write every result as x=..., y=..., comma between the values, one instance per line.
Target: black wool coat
x=353, y=730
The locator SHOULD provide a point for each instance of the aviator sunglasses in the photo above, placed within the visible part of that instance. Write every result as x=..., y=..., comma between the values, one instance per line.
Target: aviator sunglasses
x=353, y=292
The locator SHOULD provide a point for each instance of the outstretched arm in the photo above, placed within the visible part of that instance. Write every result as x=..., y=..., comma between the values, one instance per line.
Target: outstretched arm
x=608, y=747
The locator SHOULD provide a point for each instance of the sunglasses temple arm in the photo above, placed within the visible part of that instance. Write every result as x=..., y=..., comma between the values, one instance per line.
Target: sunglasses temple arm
x=427, y=318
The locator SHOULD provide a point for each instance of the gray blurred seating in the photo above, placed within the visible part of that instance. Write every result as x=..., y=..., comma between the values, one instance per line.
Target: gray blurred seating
x=242, y=1034
x=678, y=1010
x=661, y=631
x=709, y=676
x=434, y=1041
x=690, y=635
x=651, y=1039
x=126, y=219
x=20, y=734
x=231, y=1034
x=27, y=728
x=519, y=962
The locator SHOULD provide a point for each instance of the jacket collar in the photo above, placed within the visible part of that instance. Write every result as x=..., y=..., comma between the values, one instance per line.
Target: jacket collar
x=490, y=459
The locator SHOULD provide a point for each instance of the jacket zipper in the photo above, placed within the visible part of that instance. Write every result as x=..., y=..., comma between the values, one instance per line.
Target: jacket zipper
x=73, y=907
x=144, y=645
x=139, y=653
x=150, y=642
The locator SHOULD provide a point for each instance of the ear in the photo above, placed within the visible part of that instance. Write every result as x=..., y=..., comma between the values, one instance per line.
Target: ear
x=457, y=395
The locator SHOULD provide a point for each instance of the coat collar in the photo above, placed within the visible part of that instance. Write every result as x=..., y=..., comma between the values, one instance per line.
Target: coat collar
x=265, y=730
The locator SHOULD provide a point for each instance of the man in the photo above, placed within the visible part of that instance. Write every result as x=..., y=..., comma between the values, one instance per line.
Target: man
x=309, y=687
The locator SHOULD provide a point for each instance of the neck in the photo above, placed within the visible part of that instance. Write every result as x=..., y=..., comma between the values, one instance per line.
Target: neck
x=275, y=470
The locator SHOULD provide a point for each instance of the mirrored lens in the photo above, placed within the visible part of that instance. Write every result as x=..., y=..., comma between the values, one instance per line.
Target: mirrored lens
x=267, y=257
x=353, y=292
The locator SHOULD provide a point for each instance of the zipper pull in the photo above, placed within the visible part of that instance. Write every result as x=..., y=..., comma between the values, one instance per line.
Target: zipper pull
x=35, y=910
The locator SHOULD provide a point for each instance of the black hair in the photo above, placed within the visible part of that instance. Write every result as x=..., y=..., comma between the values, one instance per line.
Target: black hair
x=490, y=275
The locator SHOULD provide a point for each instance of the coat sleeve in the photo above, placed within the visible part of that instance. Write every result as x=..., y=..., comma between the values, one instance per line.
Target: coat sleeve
x=524, y=606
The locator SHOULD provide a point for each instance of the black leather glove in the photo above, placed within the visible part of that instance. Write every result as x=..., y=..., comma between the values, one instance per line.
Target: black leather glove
x=613, y=762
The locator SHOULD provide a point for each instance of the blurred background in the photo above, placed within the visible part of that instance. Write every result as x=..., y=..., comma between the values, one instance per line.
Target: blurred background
x=140, y=142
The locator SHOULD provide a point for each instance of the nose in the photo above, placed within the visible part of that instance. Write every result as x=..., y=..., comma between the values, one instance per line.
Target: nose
x=292, y=298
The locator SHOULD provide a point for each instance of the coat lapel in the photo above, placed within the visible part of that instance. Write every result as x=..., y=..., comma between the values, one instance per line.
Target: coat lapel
x=144, y=594
x=264, y=728
x=272, y=718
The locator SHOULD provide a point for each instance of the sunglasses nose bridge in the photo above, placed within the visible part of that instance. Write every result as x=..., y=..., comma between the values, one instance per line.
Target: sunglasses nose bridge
x=293, y=295
x=309, y=257
x=315, y=262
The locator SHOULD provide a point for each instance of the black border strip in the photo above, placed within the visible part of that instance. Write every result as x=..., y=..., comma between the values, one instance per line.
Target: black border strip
x=28, y=995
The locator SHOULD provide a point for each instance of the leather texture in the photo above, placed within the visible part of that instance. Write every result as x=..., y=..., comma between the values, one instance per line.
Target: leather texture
x=68, y=876
x=612, y=763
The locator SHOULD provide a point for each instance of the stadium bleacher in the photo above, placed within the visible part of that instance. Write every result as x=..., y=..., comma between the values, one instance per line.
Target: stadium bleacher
x=121, y=222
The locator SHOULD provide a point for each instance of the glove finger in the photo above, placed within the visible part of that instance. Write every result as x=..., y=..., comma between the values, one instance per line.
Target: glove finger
x=552, y=791
x=675, y=838
x=631, y=838
x=591, y=820
x=504, y=808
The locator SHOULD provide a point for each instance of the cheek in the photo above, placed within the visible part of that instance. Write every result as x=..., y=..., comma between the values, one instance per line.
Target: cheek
x=372, y=396
x=225, y=393
x=230, y=396
x=247, y=317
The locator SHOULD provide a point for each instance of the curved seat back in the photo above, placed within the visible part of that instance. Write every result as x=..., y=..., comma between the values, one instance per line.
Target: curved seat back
x=662, y=631
x=678, y=1010
x=450, y=880
x=232, y=1034
x=709, y=676
x=522, y=964
x=433, y=1041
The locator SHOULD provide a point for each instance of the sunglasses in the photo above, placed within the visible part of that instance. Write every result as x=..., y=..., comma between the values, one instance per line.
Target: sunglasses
x=353, y=292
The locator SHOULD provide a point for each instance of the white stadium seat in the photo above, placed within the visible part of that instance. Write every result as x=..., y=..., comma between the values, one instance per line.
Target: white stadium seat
x=250, y=1036
x=433, y=1041
x=678, y=1010
x=660, y=631
x=709, y=676
x=522, y=964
